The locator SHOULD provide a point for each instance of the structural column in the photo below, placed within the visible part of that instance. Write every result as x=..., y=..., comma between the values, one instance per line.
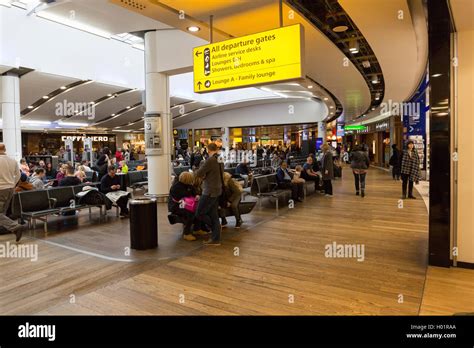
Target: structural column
x=225, y=138
x=157, y=102
x=10, y=106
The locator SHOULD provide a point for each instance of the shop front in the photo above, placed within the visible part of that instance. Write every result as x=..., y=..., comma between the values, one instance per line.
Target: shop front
x=51, y=143
x=377, y=138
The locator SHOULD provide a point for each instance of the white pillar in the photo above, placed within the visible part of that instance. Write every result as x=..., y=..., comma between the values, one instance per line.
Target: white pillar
x=157, y=101
x=10, y=106
x=225, y=138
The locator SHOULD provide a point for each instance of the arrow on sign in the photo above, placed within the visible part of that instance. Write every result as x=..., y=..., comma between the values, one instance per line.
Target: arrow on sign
x=411, y=129
x=199, y=84
x=198, y=53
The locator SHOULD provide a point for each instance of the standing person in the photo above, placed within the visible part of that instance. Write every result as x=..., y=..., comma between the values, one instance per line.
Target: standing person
x=327, y=169
x=196, y=158
x=395, y=162
x=232, y=195
x=212, y=171
x=410, y=170
x=103, y=162
x=359, y=164
x=118, y=155
x=9, y=176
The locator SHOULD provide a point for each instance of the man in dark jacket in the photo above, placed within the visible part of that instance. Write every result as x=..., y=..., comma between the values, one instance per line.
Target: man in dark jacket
x=212, y=171
x=395, y=162
x=284, y=182
x=111, y=183
x=70, y=179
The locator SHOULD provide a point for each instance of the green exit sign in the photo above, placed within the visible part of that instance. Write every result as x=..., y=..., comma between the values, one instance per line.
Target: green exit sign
x=354, y=128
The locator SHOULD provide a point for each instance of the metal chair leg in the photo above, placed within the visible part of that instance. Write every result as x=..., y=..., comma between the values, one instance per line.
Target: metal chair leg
x=46, y=224
x=90, y=213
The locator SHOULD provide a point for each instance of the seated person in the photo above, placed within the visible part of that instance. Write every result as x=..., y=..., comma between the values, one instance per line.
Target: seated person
x=24, y=167
x=123, y=167
x=233, y=193
x=50, y=171
x=61, y=173
x=284, y=180
x=297, y=175
x=309, y=174
x=70, y=179
x=110, y=186
x=181, y=189
x=23, y=184
x=37, y=179
x=244, y=171
x=85, y=165
x=80, y=173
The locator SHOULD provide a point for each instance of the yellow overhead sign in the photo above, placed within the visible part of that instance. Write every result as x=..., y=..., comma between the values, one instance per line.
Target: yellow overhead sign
x=258, y=59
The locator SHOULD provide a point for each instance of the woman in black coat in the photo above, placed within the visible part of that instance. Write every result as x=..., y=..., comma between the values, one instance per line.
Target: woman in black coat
x=327, y=169
x=395, y=162
x=359, y=164
x=181, y=188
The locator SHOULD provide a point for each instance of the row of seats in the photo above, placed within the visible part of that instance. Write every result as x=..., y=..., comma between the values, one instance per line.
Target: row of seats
x=267, y=186
x=39, y=204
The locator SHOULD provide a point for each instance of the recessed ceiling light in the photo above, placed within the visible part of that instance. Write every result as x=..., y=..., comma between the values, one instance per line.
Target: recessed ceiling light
x=109, y=95
x=45, y=97
x=331, y=107
x=436, y=75
x=112, y=115
x=193, y=29
x=128, y=107
x=354, y=46
x=339, y=28
x=326, y=98
x=30, y=107
x=310, y=86
x=63, y=87
x=373, y=108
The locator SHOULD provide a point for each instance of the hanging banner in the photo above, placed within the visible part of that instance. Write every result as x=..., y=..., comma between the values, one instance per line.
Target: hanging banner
x=258, y=59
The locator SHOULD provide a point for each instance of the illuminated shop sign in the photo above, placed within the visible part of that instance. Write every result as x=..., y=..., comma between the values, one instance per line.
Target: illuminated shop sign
x=258, y=59
x=82, y=138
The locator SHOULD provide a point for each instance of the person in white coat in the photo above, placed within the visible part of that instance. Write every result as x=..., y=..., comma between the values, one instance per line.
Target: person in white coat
x=9, y=177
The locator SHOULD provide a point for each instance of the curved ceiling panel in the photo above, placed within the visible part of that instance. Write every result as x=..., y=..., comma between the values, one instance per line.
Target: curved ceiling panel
x=398, y=41
x=35, y=85
x=82, y=94
x=112, y=105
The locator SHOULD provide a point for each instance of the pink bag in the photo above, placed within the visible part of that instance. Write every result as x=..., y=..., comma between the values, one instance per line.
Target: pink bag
x=190, y=204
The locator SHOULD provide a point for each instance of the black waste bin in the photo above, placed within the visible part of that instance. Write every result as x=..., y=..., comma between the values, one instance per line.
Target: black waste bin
x=143, y=224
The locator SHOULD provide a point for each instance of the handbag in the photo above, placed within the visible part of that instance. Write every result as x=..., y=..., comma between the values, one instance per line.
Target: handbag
x=190, y=204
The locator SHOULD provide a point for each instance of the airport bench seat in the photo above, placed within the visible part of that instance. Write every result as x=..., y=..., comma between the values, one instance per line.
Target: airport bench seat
x=245, y=207
x=39, y=204
x=137, y=179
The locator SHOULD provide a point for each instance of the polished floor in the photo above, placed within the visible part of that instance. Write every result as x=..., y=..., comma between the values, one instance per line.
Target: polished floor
x=276, y=265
